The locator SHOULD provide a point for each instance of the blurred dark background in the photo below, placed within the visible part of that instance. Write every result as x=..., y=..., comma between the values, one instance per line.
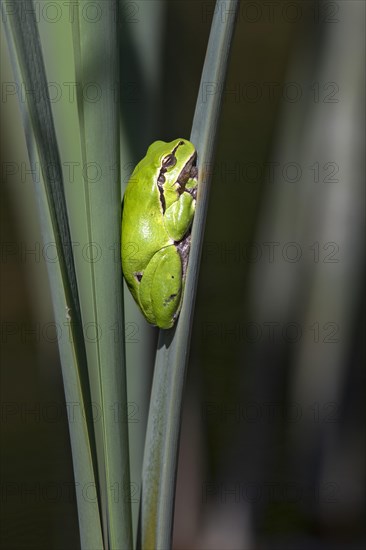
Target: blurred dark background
x=273, y=437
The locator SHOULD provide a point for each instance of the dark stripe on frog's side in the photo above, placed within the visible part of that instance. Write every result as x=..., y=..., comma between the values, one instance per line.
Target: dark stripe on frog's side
x=183, y=248
x=161, y=177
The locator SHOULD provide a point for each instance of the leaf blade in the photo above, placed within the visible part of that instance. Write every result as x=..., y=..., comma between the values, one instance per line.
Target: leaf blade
x=29, y=70
x=96, y=52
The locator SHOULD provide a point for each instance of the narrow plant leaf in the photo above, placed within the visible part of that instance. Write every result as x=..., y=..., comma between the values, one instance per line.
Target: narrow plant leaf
x=161, y=445
x=28, y=66
x=97, y=67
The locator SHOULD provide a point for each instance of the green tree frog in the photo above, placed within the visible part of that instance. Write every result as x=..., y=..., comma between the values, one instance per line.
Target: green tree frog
x=158, y=210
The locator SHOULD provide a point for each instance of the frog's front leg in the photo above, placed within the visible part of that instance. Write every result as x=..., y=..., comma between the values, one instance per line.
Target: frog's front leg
x=161, y=287
x=178, y=217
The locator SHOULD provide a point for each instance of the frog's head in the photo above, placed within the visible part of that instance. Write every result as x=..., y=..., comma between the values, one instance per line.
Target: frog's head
x=178, y=162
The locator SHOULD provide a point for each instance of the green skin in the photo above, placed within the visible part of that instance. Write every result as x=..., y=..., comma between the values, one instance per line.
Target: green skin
x=158, y=210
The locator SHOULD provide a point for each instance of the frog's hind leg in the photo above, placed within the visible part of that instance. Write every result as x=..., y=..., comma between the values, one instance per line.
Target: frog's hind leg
x=161, y=287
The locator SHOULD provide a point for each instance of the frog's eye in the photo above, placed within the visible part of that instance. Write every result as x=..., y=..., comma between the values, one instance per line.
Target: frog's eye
x=169, y=161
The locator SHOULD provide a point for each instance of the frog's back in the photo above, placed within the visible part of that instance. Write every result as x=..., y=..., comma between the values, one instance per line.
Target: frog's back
x=142, y=228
